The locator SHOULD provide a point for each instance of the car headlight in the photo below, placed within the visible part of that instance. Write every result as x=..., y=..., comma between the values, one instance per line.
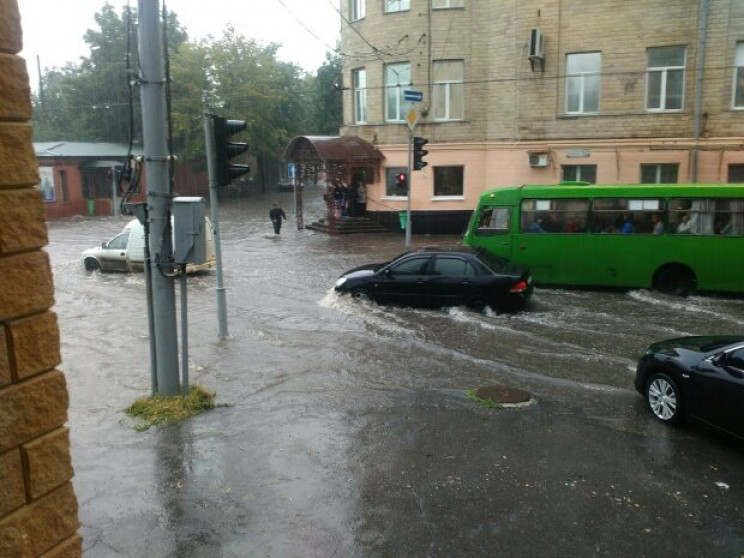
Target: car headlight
x=340, y=282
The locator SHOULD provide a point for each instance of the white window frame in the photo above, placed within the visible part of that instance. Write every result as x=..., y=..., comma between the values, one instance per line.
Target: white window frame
x=447, y=4
x=392, y=6
x=580, y=79
x=445, y=88
x=357, y=9
x=663, y=72
x=399, y=84
x=738, y=85
x=359, y=81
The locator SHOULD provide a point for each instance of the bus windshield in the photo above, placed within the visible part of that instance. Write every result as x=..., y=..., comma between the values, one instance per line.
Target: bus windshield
x=672, y=237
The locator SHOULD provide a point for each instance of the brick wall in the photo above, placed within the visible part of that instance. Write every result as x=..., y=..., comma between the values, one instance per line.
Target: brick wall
x=38, y=508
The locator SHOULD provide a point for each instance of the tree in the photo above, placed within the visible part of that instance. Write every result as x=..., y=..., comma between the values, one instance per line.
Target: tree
x=91, y=101
x=327, y=114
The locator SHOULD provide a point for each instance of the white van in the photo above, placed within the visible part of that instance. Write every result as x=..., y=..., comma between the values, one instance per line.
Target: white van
x=126, y=251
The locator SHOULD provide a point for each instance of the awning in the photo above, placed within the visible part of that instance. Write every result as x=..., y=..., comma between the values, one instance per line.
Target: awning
x=338, y=156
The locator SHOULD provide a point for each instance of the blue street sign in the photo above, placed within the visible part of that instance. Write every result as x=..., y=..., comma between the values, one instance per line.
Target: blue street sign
x=413, y=96
x=291, y=171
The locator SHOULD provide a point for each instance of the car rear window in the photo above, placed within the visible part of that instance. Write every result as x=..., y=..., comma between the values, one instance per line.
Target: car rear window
x=494, y=262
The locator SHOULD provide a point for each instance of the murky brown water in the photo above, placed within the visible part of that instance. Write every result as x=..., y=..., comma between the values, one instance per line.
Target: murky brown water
x=301, y=371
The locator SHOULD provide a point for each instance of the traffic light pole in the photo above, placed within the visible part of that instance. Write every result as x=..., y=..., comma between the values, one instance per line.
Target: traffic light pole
x=410, y=190
x=152, y=83
x=212, y=171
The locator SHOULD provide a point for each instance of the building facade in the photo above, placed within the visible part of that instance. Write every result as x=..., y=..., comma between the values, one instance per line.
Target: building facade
x=540, y=91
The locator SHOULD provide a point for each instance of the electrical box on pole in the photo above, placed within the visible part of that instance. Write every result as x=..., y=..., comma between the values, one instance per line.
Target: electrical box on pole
x=226, y=149
x=189, y=230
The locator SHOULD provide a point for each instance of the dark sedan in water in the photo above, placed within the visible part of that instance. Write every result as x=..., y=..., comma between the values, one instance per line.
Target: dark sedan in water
x=435, y=276
x=699, y=377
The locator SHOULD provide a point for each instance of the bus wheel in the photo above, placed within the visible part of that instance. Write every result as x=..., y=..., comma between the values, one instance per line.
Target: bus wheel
x=675, y=280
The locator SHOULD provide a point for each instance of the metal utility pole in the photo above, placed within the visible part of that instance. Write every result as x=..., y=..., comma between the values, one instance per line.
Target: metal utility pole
x=408, y=180
x=152, y=83
x=213, y=197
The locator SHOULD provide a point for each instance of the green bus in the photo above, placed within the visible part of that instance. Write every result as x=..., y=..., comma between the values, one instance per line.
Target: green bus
x=671, y=237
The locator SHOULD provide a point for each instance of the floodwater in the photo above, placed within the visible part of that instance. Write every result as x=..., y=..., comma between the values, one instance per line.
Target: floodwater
x=346, y=431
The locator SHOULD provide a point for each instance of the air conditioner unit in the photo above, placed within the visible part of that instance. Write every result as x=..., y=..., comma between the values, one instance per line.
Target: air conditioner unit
x=538, y=159
x=535, y=51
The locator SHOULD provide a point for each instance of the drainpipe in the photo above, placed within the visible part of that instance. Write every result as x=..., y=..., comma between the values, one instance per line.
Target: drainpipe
x=698, y=101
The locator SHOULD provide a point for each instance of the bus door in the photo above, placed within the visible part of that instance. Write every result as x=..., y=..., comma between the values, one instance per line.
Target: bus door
x=553, y=239
x=493, y=230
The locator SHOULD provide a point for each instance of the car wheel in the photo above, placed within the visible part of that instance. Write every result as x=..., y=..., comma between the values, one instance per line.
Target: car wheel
x=476, y=303
x=92, y=264
x=361, y=295
x=677, y=281
x=664, y=398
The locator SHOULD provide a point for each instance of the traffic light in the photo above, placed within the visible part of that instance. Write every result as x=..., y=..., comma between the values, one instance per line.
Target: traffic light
x=401, y=183
x=226, y=150
x=419, y=152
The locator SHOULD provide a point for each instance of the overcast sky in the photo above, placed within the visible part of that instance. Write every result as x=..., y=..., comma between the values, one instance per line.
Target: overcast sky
x=53, y=29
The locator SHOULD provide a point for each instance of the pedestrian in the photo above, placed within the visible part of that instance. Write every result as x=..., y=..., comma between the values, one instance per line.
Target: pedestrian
x=276, y=214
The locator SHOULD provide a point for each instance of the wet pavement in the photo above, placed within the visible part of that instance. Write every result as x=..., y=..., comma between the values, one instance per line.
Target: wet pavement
x=346, y=431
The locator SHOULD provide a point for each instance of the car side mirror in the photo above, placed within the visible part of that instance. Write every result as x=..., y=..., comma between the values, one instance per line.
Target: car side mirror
x=104, y=244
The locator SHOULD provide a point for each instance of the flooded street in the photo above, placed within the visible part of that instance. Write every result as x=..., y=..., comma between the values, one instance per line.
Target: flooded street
x=345, y=429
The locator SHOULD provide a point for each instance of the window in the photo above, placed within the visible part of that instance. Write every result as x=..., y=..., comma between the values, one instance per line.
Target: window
x=392, y=188
x=119, y=242
x=453, y=266
x=397, y=77
x=63, y=186
x=448, y=181
x=739, y=76
x=396, y=6
x=494, y=220
x=445, y=4
x=359, y=79
x=736, y=173
x=706, y=216
x=448, y=90
x=659, y=174
x=582, y=82
x=357, y=9
x=412, y=266
x=627, y=216
x=580, y=173
x=665, y=78
x=554, y=216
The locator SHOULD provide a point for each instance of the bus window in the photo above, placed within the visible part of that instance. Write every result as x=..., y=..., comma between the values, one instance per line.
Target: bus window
x=554, y=216
x=688, y=216
x=626, y=216
x=728, y=218
x=494, y=220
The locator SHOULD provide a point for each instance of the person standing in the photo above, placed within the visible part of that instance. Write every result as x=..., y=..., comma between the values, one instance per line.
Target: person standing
x=277, y=215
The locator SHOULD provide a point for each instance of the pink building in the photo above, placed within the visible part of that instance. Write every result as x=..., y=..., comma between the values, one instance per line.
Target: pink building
x=527, y=91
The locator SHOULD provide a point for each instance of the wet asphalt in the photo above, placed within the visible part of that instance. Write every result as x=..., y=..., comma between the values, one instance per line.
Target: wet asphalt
x=345, y=431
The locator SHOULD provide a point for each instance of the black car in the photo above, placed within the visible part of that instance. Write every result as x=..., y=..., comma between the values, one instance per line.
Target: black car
x=435, y=276
x=699, y=377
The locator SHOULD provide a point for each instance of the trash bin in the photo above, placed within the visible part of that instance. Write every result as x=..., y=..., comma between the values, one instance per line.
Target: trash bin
x=403, y=218
x=91, y=207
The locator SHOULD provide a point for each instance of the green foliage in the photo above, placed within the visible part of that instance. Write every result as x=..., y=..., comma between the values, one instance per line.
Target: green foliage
x=232, y=76
x=162, y=408
x=488, y=403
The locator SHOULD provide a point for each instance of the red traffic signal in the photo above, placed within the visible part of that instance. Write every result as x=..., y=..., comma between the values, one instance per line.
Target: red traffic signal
x=401, y=178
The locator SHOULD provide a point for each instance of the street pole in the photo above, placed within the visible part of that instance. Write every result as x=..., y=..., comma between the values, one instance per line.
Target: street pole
x=408, y=180
x=212, y=172
x=152, y=83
